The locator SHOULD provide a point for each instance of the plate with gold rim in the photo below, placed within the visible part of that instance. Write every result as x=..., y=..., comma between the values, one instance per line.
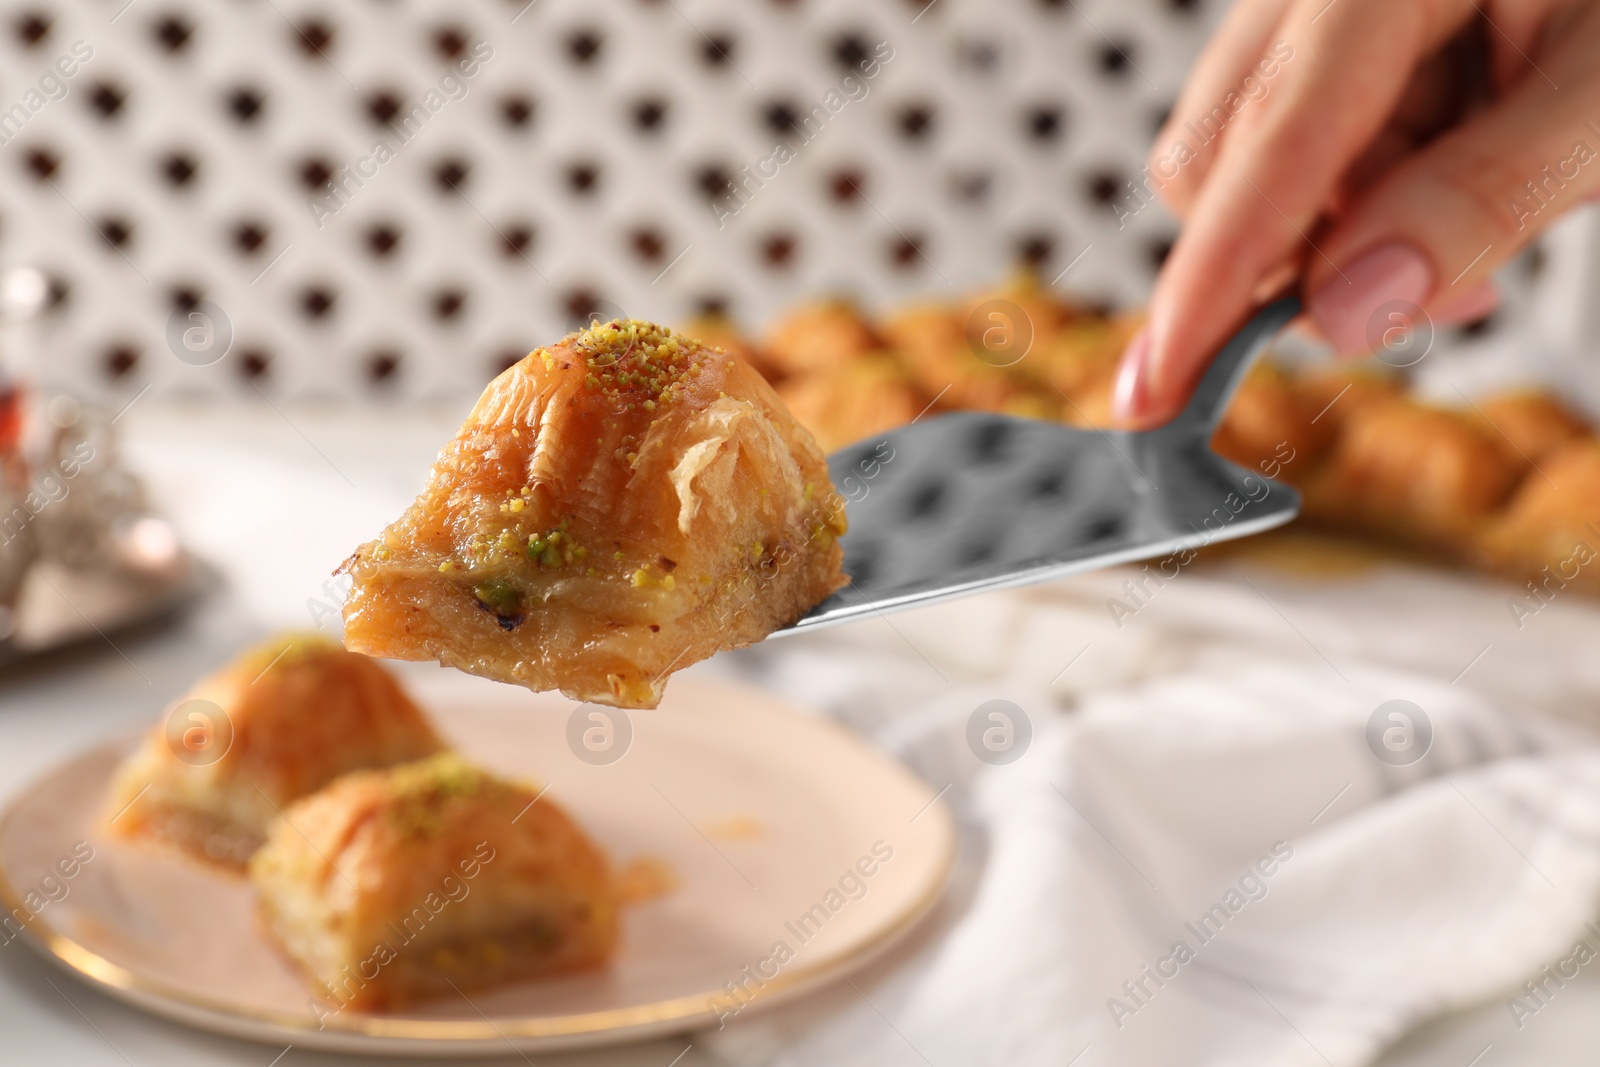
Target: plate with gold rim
x=787, y=850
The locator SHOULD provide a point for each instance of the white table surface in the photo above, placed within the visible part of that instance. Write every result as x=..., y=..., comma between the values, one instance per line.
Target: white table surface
x=315, y=482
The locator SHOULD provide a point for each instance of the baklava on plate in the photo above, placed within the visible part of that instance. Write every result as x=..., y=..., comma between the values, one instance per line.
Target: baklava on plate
x=281, y=721
x=396, y=885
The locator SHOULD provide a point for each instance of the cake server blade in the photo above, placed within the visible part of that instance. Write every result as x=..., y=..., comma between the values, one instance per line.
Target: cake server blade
x=972, y=501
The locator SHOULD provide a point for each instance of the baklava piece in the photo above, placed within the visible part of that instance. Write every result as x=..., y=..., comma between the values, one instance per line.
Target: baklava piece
x=1530, y=424
x=618, y=505
x=1080, y=365
x=1335, y=392
x=1271, y=427
x=1040, y=404
x=865, y=397
x=1043, y=316
x=392, y=886
x=820, y=338
x=1407, y=472
x=278, y=723
x=950, y=357
x=1550, y=532
x=719, y=331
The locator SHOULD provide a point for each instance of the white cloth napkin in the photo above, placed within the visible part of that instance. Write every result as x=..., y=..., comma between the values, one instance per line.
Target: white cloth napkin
x=1218, y=798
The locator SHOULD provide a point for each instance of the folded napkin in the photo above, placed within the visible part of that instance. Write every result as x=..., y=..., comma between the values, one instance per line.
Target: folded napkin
x=1205, y=857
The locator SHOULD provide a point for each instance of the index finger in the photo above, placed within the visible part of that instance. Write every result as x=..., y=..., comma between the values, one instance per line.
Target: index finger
x=1274, y=176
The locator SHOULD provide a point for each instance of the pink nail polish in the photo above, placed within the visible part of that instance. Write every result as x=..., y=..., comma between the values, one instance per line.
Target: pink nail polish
x=1348, y=304
x=1130, y=398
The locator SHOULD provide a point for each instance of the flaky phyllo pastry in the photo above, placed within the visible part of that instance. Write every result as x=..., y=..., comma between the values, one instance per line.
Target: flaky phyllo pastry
x=279, y=722
x=429, y=879
x=617, y=506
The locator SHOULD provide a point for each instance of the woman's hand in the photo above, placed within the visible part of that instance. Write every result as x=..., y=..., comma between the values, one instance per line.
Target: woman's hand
x=1392, y=153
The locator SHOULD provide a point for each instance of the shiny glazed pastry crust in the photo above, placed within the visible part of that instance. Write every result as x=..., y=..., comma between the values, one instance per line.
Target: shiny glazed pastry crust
x=393, y=886
x=617, y=506
x=279, y=722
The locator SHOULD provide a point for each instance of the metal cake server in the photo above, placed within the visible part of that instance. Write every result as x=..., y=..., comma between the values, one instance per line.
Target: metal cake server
x=972, y=501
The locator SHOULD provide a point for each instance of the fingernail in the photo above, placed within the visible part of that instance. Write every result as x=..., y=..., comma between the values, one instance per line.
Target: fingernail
x=1347, y=305
x=1469, y=306
x=1130, y=398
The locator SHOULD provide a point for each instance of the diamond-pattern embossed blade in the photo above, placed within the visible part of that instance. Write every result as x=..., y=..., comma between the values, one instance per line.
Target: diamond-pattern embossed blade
x=972, y=501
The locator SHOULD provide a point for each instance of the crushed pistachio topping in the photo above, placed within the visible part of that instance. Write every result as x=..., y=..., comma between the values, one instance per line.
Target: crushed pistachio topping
x=418, y=791
x=555, y=547
x=517, y=500
x=507, y=544
x=498, y=595
x=646, y=576
x=636, y=364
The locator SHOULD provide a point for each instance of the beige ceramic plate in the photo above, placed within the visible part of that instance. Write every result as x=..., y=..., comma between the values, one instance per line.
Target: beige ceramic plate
x=762, y=814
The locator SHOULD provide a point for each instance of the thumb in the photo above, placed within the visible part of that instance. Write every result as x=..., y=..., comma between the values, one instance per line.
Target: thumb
x=1432, y=231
